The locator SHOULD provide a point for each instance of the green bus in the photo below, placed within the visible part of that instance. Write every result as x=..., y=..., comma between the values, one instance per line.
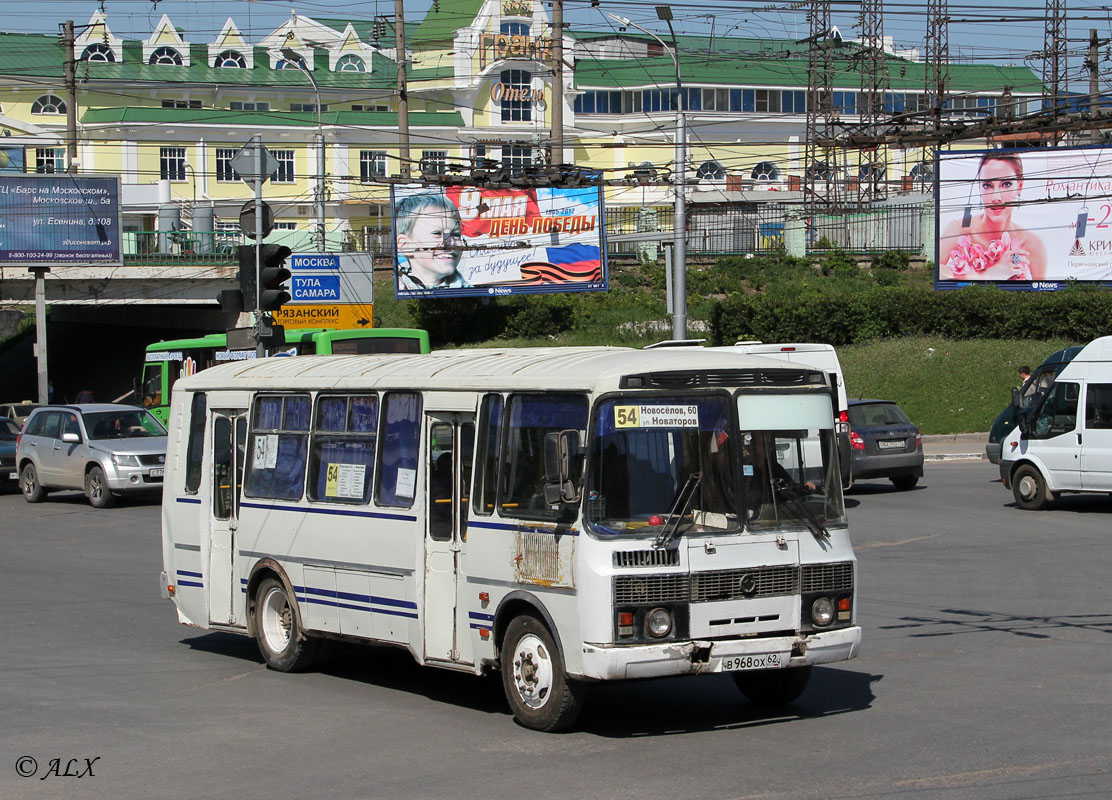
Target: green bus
x=166, y=361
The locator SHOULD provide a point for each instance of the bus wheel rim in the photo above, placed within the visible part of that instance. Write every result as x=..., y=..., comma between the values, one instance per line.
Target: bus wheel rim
x=277, y=620
x=1028, y=487
x=533, y=671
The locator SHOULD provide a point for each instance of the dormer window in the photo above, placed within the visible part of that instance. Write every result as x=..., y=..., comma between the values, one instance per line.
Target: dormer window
x=230, y=59
x=166, y=56
x=98, y=53
x=515, y=28
x=48, y=104
x=765, y=171
x=350, y=63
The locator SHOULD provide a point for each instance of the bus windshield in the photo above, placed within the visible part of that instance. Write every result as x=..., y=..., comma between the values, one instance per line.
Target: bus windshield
x=671, y=461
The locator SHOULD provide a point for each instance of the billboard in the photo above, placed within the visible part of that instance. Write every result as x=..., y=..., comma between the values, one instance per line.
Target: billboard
x=59, y=219
x=11, y=159
x=1024, y=219
x=458, y=241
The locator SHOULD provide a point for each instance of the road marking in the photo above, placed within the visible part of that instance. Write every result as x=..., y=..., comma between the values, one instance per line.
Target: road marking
x=895, y=544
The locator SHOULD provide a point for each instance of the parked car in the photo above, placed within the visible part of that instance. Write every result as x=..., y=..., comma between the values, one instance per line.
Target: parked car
x=9, y=430
x=104, y=449
x=18, y=411
x=884, y=443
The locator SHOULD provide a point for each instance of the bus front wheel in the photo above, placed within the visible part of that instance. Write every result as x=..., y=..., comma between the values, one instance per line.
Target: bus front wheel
x=1029, y=488
x=281, y=642
x=538, y=689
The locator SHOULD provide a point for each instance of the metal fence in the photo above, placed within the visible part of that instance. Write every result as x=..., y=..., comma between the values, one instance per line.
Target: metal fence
x=895, y=227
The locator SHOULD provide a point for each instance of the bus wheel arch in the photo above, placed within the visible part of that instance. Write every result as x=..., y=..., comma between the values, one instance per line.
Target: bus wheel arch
x=268, y=568
x=519, y=603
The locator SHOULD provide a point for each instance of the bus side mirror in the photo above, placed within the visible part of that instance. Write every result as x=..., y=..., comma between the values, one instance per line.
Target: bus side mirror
x=559, y=449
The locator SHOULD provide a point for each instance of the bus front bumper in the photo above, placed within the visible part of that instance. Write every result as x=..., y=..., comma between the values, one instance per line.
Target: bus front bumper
x=697, y=657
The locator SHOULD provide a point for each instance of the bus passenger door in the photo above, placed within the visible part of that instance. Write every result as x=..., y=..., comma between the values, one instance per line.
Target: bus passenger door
x=229, y=443
x=448, y=467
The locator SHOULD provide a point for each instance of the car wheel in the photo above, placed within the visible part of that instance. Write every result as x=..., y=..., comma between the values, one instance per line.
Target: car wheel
x=96, y=489
x=33, y=491
x=283, y=646
x=772, y=688
x=1029, y=488
x=905, y=482
x=539, y=692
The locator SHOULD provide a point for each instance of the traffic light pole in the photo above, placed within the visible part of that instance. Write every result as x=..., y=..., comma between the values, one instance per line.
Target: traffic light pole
x=260, y=346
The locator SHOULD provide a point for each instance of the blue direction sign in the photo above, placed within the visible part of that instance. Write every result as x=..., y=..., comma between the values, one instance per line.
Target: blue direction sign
x=331, y=278
x=59, y=219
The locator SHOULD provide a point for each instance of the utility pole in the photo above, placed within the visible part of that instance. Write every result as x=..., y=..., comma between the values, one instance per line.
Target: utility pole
x=404, y=156
x=1055, y=57
x=556, y=148
x=1092, y=63
x=873, y=167
x=71, y=96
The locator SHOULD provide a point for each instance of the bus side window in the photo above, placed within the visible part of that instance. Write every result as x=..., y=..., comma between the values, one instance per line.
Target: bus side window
x=276, y=452
x=396, y=483
x=1098, y=406
x=196, y=446
x=490, y=435
x=530, y=418
x=152, y=384
x=342, y=455
x=1058, y=413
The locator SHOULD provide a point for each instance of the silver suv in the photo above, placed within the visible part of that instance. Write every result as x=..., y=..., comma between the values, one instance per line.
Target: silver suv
x=104, y=449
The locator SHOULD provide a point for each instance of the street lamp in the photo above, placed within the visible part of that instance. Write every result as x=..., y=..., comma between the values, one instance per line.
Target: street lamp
x=679, y=233
x=294, y=58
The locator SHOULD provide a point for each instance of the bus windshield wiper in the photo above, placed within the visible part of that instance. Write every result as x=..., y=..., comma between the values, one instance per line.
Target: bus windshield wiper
x=798, y=504
x=679, y=508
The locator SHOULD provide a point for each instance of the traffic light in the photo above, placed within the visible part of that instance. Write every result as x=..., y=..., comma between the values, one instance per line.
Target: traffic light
x=246, y=254
x=230, y=300
x=272, y=274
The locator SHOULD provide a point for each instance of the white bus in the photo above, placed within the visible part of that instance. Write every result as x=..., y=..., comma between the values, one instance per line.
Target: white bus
x=562, y=515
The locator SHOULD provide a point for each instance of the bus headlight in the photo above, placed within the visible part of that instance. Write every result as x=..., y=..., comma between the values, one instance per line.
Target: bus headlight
x=658, y=623
x=822, y=612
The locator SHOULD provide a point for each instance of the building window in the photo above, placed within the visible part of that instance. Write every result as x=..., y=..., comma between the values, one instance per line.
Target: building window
x=308, y=108
x=516, y=159
x=172, y=163
x=716, y=99
x=793, y=102
x=98, y=53
x=235, y=105
x=765, y=171
x=845, y=102
x=514, y=28
x=166, y=56
x=284, y=173
x=366, y=107
x=372, y=164
x=182, y=104
x=517, y=92
x=285, y=226
x=48, y=104
x=224, y=171
x=434, y=162
x=50, y=159
x=350, y=63
x=230, y=59
x=710, y=171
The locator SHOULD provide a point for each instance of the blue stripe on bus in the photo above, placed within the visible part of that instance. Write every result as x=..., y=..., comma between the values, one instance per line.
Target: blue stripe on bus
x=333, y=512
x=480, y=627
x=519, y=526
x=190, y=500
x=366, y=598
x=477, y=615
x=321, y=602
x=191, y=583
x=190, y=574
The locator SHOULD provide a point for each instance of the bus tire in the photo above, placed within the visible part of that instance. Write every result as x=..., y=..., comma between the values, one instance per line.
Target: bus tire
x=33, y=491
x=283, y=646
x=772, y=688
x=1029, y=488
x=537, y=688
x=97, y=490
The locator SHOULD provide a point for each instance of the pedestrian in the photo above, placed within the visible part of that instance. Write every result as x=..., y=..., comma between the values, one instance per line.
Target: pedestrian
x=50, y=390
x=85, y=396
x=1024, y=374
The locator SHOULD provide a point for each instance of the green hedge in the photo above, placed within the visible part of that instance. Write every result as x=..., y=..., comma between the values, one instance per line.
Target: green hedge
x=1077, y=313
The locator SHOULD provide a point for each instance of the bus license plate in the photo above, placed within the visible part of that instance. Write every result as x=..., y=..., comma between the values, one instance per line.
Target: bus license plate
x=758, y=661
x=892, y=444
x=156, y=472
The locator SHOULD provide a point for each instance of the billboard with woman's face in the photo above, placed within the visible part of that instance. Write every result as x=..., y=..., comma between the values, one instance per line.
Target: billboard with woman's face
x=1024, y=219
x=455, y=241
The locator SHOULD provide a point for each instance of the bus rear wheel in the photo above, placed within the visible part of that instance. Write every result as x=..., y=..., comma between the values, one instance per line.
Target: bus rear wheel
x=539, y=692
x=283, y=646
x=772, y=688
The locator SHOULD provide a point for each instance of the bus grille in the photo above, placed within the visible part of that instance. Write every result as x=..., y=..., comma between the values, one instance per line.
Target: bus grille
x=732, y=584
x=647, y=558
x=828, y=577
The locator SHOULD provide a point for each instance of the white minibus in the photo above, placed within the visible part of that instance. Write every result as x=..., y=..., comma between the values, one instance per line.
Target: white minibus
x=1064, y=443
x=561, y=515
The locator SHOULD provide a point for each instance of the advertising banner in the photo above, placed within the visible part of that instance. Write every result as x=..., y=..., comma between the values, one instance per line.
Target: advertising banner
x=1024, y=219
x=458, y=241
x=59, y=219
x=12, y=159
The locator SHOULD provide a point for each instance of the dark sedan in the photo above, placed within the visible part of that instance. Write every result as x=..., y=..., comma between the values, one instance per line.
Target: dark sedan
x=884, y=443
x=9, y=430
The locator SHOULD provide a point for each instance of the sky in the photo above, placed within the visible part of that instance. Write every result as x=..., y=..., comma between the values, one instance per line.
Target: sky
x=978, y=31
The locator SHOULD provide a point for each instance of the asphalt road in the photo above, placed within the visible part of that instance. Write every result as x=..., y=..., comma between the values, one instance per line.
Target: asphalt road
x=985, y=672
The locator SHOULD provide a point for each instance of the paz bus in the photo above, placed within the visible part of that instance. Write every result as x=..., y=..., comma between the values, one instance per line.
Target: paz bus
x=167, y=361
x=558, y=515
